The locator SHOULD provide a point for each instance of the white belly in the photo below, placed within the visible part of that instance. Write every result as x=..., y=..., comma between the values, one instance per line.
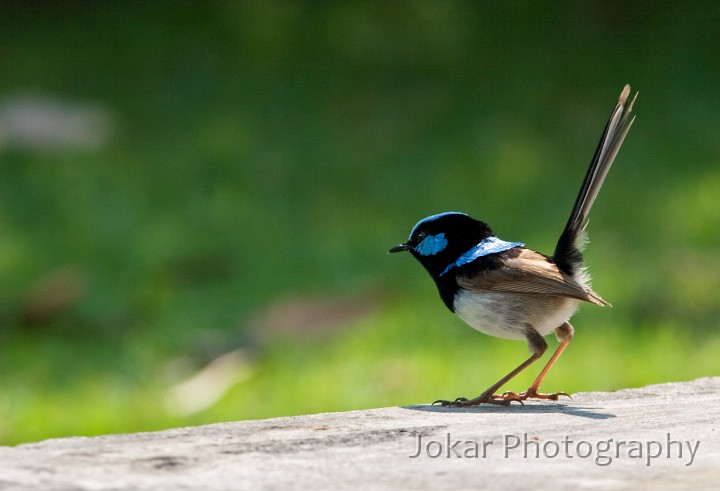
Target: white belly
x=509, y=315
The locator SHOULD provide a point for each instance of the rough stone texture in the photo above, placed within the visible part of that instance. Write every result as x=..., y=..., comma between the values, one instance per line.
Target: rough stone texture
x=371, y=449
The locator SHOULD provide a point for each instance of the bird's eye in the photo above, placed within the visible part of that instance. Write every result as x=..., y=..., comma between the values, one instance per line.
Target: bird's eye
x=421, y=236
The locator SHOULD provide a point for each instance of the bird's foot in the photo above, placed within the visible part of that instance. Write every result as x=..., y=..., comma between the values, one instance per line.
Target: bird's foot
x=533, y=394
x=498, y=400
x=503, y=399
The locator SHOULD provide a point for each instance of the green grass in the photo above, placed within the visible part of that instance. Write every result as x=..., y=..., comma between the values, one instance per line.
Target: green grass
x=403, y=354
x=276, y=150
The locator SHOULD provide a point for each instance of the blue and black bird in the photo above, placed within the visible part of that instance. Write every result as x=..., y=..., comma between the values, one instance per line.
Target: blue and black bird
x=506, y=290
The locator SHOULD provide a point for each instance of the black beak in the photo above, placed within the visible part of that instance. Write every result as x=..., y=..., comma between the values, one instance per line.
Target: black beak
x=400, y=247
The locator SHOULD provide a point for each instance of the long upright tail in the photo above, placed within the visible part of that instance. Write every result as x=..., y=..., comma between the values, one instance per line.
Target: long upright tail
x=568, y=252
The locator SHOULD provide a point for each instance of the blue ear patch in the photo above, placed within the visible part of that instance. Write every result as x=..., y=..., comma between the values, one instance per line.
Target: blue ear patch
x=432, y=245
x=491, y=245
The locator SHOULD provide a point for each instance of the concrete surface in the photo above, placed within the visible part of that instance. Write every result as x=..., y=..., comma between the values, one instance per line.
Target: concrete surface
x=657, y=437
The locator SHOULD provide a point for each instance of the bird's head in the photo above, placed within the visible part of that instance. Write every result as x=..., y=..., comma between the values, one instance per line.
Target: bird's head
x=439, y=240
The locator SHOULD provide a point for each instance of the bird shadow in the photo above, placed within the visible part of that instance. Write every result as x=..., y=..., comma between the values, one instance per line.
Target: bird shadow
x=532, y=408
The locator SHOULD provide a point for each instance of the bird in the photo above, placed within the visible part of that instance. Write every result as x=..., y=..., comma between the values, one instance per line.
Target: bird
x=506, y=290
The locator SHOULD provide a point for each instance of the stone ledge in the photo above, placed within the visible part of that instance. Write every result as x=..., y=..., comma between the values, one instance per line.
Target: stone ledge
x=669, y=432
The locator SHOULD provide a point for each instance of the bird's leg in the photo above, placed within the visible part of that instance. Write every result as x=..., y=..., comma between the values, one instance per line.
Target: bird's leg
x=537, y=345
x=564, y=334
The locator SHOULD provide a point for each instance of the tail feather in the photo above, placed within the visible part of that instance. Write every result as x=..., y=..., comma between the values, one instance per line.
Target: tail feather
x=568, y=252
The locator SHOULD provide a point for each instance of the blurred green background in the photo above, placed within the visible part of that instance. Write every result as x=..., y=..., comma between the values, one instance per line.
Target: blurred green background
x=196, y=200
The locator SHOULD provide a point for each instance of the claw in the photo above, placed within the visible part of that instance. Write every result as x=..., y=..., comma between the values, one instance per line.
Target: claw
x=459, y=402
x=465, y=402
x=508, y=397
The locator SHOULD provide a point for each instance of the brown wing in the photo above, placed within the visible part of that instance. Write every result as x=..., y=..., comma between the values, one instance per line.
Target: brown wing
x=530, y=272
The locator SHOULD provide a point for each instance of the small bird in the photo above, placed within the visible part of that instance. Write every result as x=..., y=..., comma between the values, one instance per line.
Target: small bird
x=506, y=290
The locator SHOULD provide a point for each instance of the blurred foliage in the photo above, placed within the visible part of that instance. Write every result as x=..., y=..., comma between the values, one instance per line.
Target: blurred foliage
x=265, y=150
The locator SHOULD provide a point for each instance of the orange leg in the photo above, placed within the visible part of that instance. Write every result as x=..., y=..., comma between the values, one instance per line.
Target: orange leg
x=564, y=334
